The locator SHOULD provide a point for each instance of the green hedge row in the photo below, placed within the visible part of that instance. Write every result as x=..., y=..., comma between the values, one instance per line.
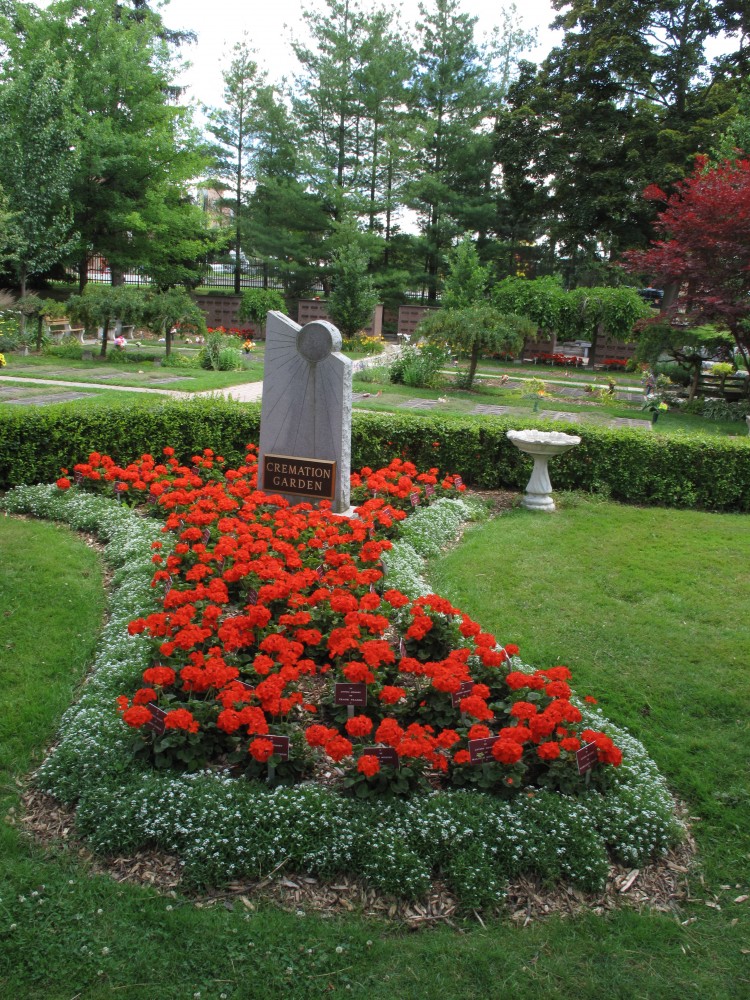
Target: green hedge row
x=634, y=466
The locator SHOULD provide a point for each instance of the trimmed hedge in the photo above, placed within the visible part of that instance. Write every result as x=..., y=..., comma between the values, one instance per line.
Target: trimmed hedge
x=633, y=466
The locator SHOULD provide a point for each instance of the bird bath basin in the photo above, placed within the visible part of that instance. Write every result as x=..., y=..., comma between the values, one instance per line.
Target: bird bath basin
x=542, y=446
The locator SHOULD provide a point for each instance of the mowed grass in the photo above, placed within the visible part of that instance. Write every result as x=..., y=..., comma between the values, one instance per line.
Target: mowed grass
x=144, y=374
x=65, y=933
x=387, y=397
x=648, y=607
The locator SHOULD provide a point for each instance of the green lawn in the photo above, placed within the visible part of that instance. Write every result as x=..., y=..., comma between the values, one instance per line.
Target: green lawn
x=646, y=606
x=141, y=374
x=487, y=392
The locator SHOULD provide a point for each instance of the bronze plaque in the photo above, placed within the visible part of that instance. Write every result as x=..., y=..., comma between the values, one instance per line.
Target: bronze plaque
x=314, y=478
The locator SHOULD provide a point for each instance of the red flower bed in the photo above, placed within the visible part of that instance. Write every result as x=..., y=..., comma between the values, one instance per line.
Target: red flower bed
x=276, y=621
x=560, y=359
x=614, y=364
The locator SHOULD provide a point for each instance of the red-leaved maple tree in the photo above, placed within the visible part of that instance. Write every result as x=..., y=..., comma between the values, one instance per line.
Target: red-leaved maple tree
x=706, y=246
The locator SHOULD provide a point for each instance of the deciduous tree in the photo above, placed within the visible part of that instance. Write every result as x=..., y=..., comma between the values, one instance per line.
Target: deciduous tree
x=706, y=247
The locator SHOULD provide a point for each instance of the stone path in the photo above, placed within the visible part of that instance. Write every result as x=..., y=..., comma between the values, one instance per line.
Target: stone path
x=15, y=390
x=247, y=392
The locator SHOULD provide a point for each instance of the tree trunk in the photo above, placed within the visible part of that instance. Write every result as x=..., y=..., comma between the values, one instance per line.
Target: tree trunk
x=694, y=382
x=105, y=337
x=473, y=362
x=167, y=340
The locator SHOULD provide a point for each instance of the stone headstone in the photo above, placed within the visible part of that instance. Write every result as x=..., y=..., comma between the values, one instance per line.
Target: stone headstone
x=306, y=416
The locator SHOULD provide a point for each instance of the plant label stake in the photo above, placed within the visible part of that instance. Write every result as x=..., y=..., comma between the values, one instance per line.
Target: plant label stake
x=386, y=755
x=280, y=750
x=414, y=498
x=586, y=757
x=156, y=722
x=463, y=692
x=480, y=751
x=350, y=695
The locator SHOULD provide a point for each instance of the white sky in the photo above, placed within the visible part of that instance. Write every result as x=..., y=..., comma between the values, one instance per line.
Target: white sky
x=270, y=25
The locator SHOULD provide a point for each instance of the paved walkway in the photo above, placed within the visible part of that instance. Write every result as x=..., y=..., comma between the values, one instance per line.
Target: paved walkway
x=247, y=392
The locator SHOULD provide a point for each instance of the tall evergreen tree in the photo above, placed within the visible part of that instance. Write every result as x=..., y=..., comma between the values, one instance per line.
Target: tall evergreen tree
x=234, y=129
x=627, y=78
x=137, y=149
x=452, y=100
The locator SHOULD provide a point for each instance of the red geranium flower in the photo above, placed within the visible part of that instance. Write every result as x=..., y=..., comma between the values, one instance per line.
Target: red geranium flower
x=368, y=764
x=261, y=750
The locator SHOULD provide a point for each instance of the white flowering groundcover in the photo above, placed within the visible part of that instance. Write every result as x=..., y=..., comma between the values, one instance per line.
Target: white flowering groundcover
x=223, y=828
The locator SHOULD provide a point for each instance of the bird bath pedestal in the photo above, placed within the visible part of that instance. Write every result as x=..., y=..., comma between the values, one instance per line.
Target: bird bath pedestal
x=542, y=446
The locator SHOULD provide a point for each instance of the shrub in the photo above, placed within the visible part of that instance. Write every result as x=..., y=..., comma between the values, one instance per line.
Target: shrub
x=220, y=355
x=353, y=297
x=633, y=467
x=418, y=366
x=257, y=302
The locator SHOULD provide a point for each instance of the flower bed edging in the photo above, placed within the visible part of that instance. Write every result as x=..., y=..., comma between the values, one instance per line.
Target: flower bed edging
x=224, y=829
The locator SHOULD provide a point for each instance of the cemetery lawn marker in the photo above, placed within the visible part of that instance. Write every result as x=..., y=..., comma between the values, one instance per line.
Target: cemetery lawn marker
x=306, y=416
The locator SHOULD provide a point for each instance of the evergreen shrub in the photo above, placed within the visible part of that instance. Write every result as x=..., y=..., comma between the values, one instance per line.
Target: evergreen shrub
x=632, y=466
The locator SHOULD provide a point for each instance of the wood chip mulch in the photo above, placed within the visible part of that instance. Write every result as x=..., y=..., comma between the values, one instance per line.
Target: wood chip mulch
x=662, y=886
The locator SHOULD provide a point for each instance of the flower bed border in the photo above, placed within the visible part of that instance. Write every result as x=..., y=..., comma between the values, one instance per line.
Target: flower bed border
x=224, y=830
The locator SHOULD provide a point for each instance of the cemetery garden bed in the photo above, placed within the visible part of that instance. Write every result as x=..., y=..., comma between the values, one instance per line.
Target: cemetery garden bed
x=460, y=762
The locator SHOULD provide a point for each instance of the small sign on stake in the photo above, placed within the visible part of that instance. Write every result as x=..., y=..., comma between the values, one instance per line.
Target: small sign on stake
x=281, y=750
x=206, y=536
x=386, y=755
x=252, y=596
x=414, y=498
x=429, y=490
x=120, y=489
x=401, y=647
x=78, y=478
x=463, y=692
x=280, y=746
x=158, y=715
x=350, y=694
x=458, y=482
x=167, y=585
x=586, y=757
x=480, y=751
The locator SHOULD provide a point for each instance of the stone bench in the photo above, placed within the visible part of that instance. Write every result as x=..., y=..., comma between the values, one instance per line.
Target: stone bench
x=59, y=328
